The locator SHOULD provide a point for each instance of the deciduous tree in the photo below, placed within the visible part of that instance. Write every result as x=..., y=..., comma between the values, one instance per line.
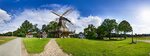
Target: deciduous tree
x=90, y=32
x=107, y=27
x=124, y=27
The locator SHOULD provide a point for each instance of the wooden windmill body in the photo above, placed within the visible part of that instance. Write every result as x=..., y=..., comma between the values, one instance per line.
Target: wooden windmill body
x=62, y=30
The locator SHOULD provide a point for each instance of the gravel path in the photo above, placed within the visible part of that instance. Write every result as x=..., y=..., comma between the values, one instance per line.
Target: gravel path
x=51, y=49
x=148, y=41
x=11, y=48
x=23, y=50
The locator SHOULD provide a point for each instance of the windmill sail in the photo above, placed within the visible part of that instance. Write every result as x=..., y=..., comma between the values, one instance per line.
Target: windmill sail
x=62, y=30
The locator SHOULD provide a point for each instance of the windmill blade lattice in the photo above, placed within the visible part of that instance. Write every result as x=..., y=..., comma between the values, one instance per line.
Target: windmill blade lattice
x=55, y=13
x=67, y=12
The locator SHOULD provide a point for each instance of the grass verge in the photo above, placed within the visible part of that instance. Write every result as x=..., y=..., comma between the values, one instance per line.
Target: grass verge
x=35, y=45
x=142, y=38
x=4, y=40
x=84, y=47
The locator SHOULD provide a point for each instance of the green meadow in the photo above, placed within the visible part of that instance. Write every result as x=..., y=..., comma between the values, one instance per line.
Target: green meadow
x=35, y=45
x=85, y=47
x=4, y=40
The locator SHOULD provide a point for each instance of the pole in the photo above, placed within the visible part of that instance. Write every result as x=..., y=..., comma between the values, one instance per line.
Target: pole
x=132, y=37
x=12, y=33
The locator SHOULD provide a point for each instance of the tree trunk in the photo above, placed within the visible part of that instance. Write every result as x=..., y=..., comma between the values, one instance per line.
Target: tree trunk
x=100, y=37
x=109, y=36
x=124, y=35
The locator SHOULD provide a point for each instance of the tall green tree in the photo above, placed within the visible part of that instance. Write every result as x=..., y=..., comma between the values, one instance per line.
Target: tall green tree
x=52, y=26
x=24, y=28
x=90, y=32
x=101, y=32
x=125, y=27
x=107, y=27
x=44, y=28
x=35, y=30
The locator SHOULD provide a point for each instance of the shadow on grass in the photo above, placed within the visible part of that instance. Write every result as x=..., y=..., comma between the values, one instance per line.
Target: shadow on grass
x=114, y=40
x=108, y=39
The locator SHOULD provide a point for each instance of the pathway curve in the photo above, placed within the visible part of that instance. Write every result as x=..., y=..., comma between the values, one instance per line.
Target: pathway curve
x=11, y=48
x=51, y=49
x=23, y=50
x=148, y=41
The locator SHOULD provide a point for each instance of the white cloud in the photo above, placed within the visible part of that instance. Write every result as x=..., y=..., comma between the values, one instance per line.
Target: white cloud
x=44, y=16
x=85, y=21
x=141, y=23
x=4, y=16
x=38, y=16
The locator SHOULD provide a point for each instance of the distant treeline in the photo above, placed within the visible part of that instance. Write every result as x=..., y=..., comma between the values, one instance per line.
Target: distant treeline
x=6, y=34
x=109, y=28
x=27, y=27
x=130, y=35
x=122, y=35
x=76, y=35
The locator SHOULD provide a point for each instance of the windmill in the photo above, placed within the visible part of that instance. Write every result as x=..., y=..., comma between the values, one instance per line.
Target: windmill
x=62, y=30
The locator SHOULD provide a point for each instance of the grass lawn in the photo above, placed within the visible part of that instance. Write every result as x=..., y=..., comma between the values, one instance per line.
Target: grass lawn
x=4, y=40
x=35, y=45
x=142, y=38
x=84, y=47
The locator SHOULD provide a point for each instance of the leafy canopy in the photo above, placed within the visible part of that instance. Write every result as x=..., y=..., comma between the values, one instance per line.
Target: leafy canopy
x=90, y=32
x=124, y=26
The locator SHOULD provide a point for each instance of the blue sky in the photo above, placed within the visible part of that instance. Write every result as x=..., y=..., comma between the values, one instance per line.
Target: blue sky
x=131, y=10
x=86, y=7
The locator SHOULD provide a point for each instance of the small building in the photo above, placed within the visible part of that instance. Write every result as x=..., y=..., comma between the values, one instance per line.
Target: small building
x=81, y=35
x=29, y=35
x=44, y=34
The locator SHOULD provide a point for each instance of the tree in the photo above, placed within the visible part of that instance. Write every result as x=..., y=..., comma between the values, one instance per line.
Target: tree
x=35, y=30
x=44, y=28
x=90, y=32
x=101, y=32
x=124, y=27
x=52, y=26
x=107, y=27
x=24, y=28
x=8, y=34
x=117, y=29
